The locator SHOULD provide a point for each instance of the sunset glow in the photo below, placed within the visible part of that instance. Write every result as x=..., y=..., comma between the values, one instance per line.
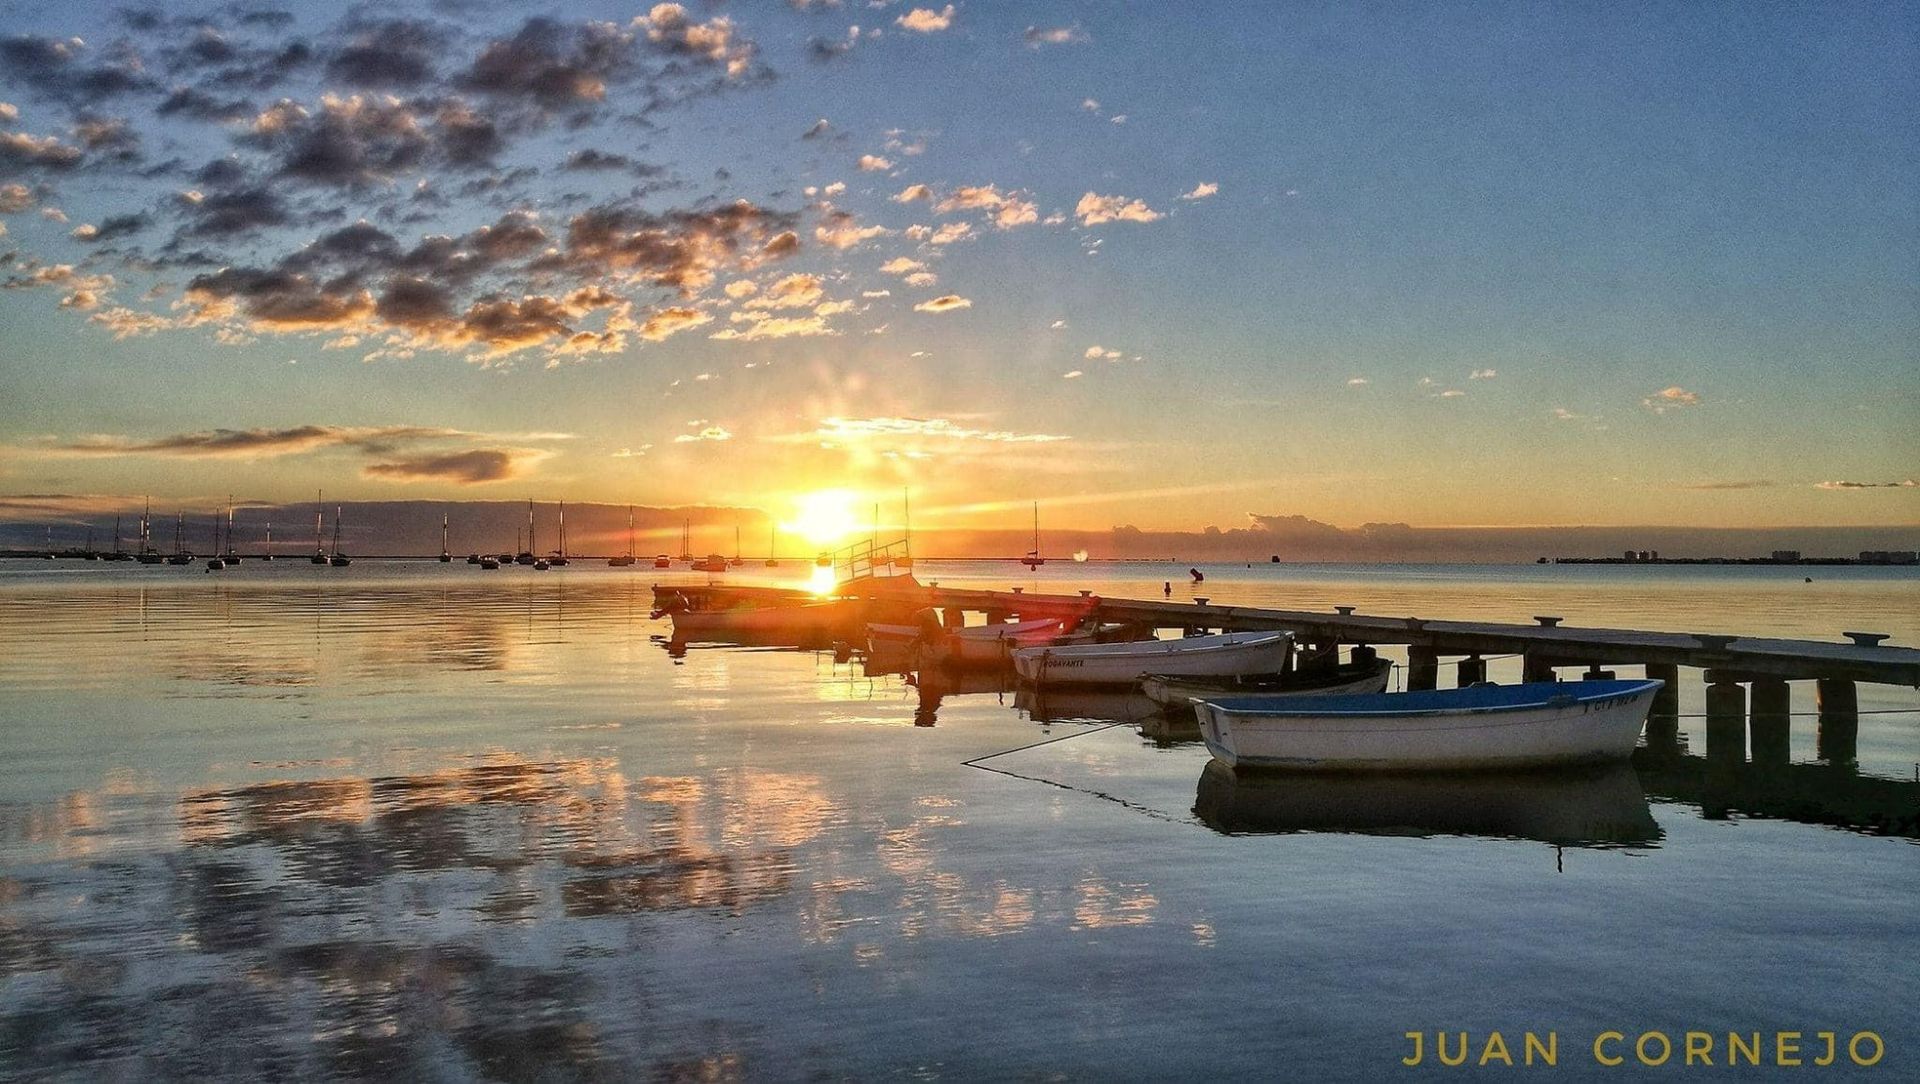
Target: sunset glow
x=824, y=518
x=700, y=258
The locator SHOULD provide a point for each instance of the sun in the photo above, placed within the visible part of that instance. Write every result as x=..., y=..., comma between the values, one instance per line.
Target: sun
x=823, y=517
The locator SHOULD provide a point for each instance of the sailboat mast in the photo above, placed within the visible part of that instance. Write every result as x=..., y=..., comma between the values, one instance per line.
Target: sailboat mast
x=319, y=517
x=530, y=542
x=563, y=529
x=443, y=532
x=629, y=530
x=906, y=509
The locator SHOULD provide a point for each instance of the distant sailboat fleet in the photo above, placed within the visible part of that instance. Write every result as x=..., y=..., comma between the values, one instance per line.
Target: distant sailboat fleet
x=329, y=550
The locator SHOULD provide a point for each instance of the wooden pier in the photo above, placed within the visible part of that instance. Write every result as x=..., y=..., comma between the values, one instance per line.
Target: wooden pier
x=1737, y=669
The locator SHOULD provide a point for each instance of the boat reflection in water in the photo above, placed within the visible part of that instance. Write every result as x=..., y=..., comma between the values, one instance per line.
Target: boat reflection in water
x=1591, y=807
x=1044, y=704
x=935, y=684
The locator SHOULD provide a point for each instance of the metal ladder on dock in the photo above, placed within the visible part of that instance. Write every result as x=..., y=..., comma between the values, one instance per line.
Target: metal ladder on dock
x=866, y=560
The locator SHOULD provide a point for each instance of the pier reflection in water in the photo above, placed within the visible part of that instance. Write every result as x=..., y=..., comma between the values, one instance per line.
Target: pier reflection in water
x=431, y=829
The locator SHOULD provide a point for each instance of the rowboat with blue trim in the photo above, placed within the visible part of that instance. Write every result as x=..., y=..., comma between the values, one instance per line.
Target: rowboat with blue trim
x=1536, y=724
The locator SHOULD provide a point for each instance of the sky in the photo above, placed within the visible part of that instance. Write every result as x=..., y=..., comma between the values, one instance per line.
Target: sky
x=1216, y=265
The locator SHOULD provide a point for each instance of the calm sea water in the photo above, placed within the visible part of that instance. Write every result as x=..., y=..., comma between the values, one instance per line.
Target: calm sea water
x=429, y=822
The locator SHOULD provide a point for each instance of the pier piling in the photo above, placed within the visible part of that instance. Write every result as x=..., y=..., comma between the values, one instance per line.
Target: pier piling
x=1423, y=669
x=1838, y=703
x=1726, y=721
x=1769, y=722
x=1663, y=721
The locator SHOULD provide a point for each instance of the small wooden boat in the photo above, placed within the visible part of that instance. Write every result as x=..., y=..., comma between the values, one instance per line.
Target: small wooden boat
x=662, y=561
x=712, y=562
x=487, y=562
x=977, y=645
x=1179, y=693
x=1595, y=806
x=1223, y=655
x=1537, y=724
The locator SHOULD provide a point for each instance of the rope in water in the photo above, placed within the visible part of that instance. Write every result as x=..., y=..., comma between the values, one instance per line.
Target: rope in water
x=976, y=762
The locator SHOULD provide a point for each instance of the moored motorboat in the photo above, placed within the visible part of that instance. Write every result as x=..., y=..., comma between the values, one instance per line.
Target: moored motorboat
x=1221, y=655
x=1178, y=693
x=1537, y=724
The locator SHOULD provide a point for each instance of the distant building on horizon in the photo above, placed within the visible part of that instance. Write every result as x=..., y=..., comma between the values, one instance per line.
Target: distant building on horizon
x=1890, y=557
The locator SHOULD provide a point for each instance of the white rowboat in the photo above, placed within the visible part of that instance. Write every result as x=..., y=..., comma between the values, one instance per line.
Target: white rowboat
x=1484, y=726
x=1179, y=693
x=1223, y=655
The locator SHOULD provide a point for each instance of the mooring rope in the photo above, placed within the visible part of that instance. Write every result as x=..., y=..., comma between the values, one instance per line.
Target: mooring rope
x=976, y=762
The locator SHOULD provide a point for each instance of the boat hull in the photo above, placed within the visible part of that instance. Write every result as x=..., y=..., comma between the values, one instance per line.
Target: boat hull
x=1127, y=663
x=1176, y=693
x=1537, y=725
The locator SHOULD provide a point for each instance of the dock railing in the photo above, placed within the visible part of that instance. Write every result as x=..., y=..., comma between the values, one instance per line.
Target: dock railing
x=866, y=559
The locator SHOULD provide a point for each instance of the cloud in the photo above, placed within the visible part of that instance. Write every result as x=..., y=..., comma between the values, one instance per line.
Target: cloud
x=901, y=265
x=926, y=20
x=21, y=151
x=1358, y=382
x=715, y=42
x=1703, y=486
x=1673, y=398
x=913, y=192
x=476, y=466
x=923, y=279
x=62, y=68
x=825, y=50
x=671, y=321
x=873, y=163
x=840, y=430
x=842, y=231
x=254, y=443
x=951, y=232
x=551, y=64
x=1037, y=36
x=112, y=228
x=388, y=54
x=1451, y=393
x=710, y=433
x=1072, y=374
x=755, y=324
x=1483, y=374
x=1202, y=191
x=944, y=303
x=1565, y=415
x=793, y=292
x=1906, y=484
x=229, y=213
x=1095, y=210
x=820, y=128
x=1008, y=209
x=1097, y=352
x=15, y=198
